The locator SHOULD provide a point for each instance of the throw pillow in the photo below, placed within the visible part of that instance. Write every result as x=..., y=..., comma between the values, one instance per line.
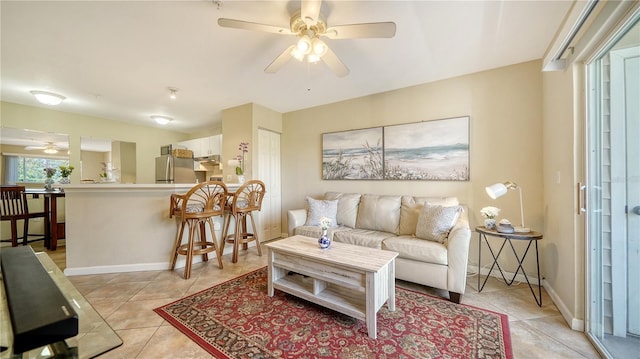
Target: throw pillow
x=319, y=209
x=435, y=222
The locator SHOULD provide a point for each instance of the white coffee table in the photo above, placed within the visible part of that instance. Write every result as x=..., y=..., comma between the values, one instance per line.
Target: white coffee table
x=349, y=279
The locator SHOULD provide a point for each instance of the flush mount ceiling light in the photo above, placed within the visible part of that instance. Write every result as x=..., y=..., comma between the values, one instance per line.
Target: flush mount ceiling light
x=48, y=98
x=161, y=120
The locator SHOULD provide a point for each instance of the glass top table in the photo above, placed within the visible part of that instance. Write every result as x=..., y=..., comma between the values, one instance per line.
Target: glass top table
x=94, y=338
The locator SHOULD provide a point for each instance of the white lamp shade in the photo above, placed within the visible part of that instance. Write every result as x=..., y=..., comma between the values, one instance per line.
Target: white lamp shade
x=496, y=190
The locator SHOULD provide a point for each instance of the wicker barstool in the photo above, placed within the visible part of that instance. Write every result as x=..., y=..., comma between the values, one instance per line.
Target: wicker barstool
x=196, y=209
x=244, y=201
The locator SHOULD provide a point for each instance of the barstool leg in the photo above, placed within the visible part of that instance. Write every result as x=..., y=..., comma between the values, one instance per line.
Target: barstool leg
x=255, y=233
x=236, y=240
x=187, y=268
x=214, y=240
x=225, y=230
x=176, y=245
x=202, y=240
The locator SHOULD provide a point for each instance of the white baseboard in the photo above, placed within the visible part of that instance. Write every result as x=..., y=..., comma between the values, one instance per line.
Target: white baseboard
x=116, y=268
x=574, y=323
x=141, y=267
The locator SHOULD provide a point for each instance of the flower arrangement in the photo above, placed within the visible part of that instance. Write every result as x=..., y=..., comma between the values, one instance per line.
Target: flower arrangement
x=490, y=212
x=325, y=222
x=50, y=172
x=244, y=148
x=66, y=171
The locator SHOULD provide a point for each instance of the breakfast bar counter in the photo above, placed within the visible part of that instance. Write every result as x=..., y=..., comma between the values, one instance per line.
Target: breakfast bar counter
x=114, y=228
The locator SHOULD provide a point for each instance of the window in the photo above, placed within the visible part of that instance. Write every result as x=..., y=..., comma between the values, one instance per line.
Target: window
x=31, y=169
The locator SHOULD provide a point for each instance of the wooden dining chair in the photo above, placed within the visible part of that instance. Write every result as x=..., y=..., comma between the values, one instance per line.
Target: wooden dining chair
x=245, y=200
x=196, y=209
x=14, y=208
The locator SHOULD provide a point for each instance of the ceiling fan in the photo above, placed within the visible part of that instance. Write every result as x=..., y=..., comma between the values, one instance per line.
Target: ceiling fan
x=49, y=147
x=308, y=26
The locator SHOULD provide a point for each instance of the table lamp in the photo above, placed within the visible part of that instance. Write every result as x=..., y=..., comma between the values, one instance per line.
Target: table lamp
x=498, y=190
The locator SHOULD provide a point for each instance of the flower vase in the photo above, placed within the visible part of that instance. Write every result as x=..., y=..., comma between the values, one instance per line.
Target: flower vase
x=490, y=223
x=241, y=179
x=324, y=241
x=48, y=182
x=65, y=180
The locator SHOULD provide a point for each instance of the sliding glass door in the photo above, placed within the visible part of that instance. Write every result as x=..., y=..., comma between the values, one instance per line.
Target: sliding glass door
x=613, y=192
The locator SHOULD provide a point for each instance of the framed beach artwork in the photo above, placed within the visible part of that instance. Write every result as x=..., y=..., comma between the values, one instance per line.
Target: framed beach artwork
x=352, y=155
x=432, y=150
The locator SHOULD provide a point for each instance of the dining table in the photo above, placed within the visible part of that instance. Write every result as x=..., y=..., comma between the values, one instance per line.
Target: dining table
x=51, y=213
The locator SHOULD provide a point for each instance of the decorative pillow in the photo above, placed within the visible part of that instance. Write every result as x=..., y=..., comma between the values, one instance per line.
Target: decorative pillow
x=319, y=209
x=347, y=207
x=435, y=222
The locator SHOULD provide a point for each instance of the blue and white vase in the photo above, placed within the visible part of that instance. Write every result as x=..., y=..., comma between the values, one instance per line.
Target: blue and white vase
x=48, y=183
x=324, y=241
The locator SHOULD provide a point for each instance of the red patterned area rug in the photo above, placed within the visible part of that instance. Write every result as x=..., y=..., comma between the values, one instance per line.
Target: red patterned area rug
x=237, y=319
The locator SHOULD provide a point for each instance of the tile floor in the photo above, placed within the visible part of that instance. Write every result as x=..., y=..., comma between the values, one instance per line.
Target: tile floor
x=126, y=301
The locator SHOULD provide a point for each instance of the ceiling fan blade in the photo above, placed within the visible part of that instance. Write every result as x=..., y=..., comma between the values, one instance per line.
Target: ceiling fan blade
x=253, y=26
x=279, y=61
x=359, y=31
x=335, y=64
x=30, y=148
x=310, y=11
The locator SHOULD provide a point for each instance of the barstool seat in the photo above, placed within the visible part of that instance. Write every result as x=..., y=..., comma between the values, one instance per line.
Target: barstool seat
x=196, y=209
x=244, y=201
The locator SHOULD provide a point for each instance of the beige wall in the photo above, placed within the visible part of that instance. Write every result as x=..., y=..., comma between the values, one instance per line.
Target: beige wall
x=241, y=124
x=563, y=245
x=505, y=106
x=148, y=139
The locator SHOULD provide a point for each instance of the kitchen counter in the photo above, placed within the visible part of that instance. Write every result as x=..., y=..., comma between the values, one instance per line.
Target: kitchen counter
x=114, y=228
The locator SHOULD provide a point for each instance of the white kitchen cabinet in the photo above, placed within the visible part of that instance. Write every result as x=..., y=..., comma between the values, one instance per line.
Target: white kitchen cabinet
x=205, y=146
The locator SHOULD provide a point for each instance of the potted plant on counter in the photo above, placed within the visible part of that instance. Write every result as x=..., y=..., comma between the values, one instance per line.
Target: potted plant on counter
x=65, y=172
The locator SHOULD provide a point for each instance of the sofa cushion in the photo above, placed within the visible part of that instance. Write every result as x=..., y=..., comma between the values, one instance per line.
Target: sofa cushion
x=417, y=249
x=316, y=231
x=411, y=207
x=319, y=209
x=379, y=213
x=435, y=222
x=362, y=237
x=347, y=207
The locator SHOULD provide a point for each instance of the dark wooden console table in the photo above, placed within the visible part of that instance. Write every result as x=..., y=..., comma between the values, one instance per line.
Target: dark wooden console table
x=51, y=217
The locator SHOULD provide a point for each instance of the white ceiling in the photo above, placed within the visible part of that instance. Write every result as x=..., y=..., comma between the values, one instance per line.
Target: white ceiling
x=116, y=59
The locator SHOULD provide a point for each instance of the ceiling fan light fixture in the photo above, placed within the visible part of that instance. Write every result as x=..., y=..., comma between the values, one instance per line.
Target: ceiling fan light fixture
x=313, y=58
x=319, y=47
x=304, y=45
x=161, y=120
x=296, y=54
x=48, y=98
x=50, y=150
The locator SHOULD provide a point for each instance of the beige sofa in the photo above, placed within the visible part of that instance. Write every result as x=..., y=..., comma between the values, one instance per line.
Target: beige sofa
x=391, y=223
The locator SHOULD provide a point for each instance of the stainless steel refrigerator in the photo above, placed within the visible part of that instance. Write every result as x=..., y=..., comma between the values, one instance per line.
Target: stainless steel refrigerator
x=170, y=169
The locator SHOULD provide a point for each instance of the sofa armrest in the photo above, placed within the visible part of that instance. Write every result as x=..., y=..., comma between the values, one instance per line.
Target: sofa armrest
x=295, y=218
x=458, y=254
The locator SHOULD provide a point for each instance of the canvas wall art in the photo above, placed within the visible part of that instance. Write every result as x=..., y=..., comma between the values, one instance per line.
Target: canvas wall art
x=432, y=150
x=355, y=154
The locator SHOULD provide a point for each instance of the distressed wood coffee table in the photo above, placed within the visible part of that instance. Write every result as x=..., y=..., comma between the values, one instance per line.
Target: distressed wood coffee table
x=349, y=279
